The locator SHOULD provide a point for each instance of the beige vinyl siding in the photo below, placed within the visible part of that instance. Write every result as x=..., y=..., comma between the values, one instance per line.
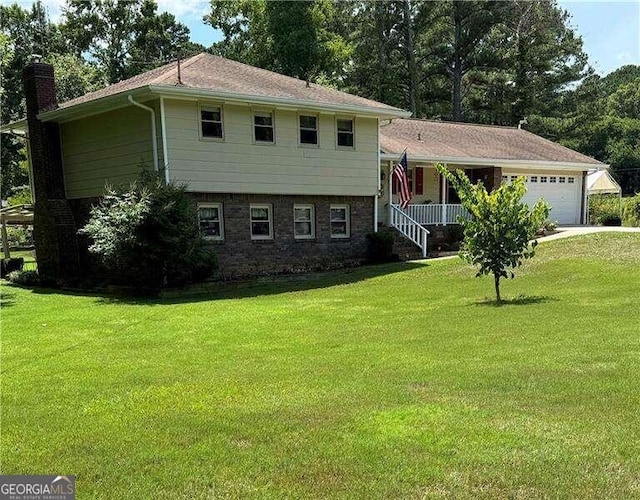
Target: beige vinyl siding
x=106, y=149
x=239, y=165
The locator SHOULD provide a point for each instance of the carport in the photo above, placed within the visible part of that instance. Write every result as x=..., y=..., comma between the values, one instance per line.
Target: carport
x=18, y=215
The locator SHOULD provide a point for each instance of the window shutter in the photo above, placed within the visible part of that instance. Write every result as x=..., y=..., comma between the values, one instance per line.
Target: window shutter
x=419, y=180
x=394, y=184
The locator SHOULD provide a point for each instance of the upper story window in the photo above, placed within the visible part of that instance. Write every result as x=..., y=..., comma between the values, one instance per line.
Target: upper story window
x=261, y=222
x=210, y=220
x=211, y=122
x=308, y=129
x=345, y=132
x=263, y=126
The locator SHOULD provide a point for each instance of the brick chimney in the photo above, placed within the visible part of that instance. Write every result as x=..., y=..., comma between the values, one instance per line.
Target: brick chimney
x=53, y=226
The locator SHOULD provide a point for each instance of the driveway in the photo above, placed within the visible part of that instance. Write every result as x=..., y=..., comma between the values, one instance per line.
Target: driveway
x=567, y=231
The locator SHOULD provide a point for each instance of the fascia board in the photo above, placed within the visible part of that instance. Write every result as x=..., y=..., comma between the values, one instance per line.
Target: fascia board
x=284, y=103
x=97, y=106
x=499, y=162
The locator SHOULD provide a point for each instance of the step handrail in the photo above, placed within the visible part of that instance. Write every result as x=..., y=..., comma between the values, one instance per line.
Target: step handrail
x=409, y=228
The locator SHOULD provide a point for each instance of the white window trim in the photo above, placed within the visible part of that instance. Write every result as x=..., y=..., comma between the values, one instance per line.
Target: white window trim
x=353, y=132
x=257, y=111
x=312, y=220
x=317, y=130
x=348, y=221
x=220, y=212
x=269, y=207
x=205, y=106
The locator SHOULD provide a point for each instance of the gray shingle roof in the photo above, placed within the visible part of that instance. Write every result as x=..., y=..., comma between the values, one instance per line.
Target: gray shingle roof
x=463, y=140
x=216, y=74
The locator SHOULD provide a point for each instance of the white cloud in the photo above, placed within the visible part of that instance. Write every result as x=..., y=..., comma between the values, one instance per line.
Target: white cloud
x=624, y=56
x=182, y=9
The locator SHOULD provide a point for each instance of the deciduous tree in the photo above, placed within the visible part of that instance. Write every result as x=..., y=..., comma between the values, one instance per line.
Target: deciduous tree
x=499, y=232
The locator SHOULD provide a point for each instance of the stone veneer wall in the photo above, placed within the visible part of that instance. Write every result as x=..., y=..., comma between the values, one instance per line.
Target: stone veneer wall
x=239, y=255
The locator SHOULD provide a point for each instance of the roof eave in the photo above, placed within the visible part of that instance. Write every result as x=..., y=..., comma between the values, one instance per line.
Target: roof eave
x=499, y=162
x=19, y=127
x=175, y=91
x=96, y=106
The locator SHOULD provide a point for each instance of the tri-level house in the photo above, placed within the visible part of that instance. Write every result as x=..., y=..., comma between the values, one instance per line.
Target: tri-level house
x=286, y=174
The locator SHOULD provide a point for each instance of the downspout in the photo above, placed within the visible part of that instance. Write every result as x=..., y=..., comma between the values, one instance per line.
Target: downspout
x=163, y=133
x=375, y=200
x=154, y=142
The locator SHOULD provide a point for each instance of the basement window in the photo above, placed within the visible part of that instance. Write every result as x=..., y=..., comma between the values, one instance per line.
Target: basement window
x=339, y=221
x=261, y=222
x=210, y=221
x=303, y=222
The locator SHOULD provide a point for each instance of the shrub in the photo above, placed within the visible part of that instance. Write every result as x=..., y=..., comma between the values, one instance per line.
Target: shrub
x=24, y=277
x=549, y=226
x=147, y=236
x=380, y=247
x=611, y=220
x=20, y=236
x=631, y=214
x=603, y=206
x=9, y=265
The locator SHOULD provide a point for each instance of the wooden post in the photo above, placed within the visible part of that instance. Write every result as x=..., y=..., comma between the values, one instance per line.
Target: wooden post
x=5, y=241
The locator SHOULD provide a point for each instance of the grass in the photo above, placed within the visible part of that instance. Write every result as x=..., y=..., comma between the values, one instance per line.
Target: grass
x=397, y=381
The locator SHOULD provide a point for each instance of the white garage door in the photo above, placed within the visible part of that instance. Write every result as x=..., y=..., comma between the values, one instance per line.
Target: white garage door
x=562, y=192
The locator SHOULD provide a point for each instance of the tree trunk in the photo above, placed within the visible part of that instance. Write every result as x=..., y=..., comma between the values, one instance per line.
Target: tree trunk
x=411, y=57
x=456, y=72
x=496, y=280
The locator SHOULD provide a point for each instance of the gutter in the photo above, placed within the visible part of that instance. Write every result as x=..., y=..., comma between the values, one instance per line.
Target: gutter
x=154, y=141
x=500, y=162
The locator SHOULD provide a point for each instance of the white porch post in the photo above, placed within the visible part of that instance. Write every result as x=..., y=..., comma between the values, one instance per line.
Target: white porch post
x=443, y=196
x=389, y=176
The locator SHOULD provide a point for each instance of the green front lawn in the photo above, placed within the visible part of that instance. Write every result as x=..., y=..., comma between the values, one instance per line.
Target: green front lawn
x=395, y=381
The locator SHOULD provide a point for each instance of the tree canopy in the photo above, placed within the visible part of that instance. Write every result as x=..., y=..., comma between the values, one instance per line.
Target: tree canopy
x=478, y=61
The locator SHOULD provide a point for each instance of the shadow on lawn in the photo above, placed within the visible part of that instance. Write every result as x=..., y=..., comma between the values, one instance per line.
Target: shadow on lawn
x=6, y=298
x=255, y=287
x=520, y=300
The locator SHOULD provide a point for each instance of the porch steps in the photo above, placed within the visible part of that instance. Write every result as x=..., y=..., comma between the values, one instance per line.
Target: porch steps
x=405, y=248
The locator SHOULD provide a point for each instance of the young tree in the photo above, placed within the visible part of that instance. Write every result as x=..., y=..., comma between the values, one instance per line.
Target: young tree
x=498, y=235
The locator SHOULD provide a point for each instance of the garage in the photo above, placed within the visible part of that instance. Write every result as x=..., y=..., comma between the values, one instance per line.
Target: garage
x=562, y=192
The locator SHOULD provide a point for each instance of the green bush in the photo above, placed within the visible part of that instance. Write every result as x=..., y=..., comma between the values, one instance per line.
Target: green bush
x=24, y=277
x=146, y=237
x=611, y=220
x=20, y=236
x=380, y=247
x=603, y=206
x=631, y=213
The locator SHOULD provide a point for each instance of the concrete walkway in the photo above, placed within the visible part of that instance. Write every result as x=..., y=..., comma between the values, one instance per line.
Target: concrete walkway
x=567, y=231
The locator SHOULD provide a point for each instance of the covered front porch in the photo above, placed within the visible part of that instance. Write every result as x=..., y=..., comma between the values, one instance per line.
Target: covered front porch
x=434, y=202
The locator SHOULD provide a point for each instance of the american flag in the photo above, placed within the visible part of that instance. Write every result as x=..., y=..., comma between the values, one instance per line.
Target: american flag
x=400, y=174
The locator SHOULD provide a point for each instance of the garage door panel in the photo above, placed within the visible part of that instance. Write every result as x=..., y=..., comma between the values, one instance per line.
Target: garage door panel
x=564, y=197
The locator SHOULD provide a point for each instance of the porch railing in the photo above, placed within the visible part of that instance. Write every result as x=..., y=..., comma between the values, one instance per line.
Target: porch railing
x=436, y=214
x=410, y=228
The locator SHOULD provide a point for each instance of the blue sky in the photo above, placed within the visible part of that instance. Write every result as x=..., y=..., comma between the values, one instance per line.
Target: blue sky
x=610, y=30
